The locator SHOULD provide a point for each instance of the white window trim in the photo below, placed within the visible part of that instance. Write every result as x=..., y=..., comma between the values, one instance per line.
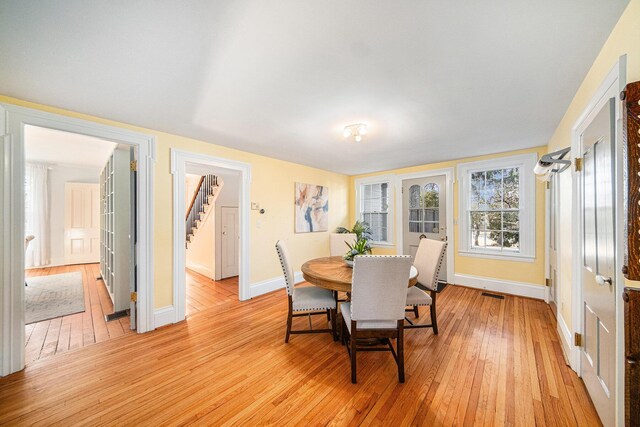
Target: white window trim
x=526, y=163
x=379, y=179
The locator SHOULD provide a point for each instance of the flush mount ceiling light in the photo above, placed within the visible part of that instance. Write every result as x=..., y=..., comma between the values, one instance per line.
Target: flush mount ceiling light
x=356, y=131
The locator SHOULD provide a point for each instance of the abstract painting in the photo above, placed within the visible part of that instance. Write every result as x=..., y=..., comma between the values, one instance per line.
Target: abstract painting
x=312, y=208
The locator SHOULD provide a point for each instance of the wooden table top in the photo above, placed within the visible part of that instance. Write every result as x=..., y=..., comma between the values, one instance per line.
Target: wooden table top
x=332, y=273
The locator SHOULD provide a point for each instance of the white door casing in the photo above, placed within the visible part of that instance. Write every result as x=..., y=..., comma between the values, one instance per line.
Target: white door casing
x=179, y=160
x=81, y=223
x=14, y=119
x=553, y=272
x=610, y=88
x=229, y=241
x=424, y=213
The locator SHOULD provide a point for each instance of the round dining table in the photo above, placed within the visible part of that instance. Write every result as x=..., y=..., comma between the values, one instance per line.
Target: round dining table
x=334, y=274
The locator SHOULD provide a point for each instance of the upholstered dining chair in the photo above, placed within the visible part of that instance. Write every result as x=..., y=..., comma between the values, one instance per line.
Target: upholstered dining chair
x=428, y=261
x=307, y=301
x=339, y=243
x=376, y=310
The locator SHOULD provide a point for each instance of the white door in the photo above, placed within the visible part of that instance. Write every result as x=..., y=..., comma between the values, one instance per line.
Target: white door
x=82, y=223
x=598, y=287
x=553, y=242
x=424, y=214
x=229, y=241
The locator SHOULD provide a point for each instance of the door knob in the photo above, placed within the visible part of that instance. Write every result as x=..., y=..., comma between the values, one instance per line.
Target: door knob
x=601, y=280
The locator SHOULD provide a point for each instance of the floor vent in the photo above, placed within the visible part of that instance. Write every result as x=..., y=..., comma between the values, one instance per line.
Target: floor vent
x=487, y=294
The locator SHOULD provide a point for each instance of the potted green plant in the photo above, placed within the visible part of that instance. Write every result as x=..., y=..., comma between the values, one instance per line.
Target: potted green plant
x=359, y=247
x=361, y=229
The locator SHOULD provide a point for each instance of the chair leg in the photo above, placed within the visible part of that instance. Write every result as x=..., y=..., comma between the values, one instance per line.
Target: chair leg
x=289, y=321
x=415, y=311
x=353, y=352
x=333, y=324
x=434, y=320
x=328, y=315
x=400, y=347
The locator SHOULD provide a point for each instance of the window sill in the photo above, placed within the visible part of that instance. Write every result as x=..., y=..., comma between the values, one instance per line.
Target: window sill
x=382, y=245
x=501, y=257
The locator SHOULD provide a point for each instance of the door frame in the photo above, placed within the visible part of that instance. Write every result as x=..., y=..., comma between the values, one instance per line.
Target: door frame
x=611, y=86
x=179, y=160
x=449, y=174
x=12, y=171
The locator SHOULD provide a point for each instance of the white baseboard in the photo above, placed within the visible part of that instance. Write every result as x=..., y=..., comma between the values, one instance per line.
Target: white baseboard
x=201, y=269
x=529, y=290
x=270, y=285
x=58, y=262
x=164, y=316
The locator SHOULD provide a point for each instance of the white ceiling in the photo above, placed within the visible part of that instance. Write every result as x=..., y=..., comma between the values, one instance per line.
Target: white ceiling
x=64, y=148
x=434, y=80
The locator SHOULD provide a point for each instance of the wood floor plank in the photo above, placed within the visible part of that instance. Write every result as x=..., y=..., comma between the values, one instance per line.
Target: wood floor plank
x=495, y=362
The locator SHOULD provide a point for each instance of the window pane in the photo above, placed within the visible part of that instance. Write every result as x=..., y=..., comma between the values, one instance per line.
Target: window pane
x=493, y=189
x=478, y=220
x=431, y=196
x=510, y=221
x=494, y=220
x=476, y=198
x=511, y=241
x=477, y=239
x=494, y=239
x=414, y=196
x=511, y=188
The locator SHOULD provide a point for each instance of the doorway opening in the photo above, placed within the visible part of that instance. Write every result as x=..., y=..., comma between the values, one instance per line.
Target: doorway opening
x=212, y=236
x=79, y=199
x=12, y=195
x=427, y=212
x=232, y=173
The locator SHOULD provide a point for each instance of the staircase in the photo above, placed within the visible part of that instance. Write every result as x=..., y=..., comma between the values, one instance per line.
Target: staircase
x=204, y=197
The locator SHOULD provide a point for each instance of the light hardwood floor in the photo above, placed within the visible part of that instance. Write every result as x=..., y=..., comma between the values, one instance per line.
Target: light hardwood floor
x=54, y=336
x=495, y=362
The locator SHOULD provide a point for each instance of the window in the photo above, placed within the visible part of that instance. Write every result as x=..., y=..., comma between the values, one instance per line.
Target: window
x=497, y=207
x=424, y=208
x=374, y=199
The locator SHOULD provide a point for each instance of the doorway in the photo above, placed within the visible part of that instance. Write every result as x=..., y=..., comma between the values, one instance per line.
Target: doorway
x=12, y=193
x=230, y=171
x=423, y=214
x=79, y=240
x=598, y=239
x=427, y=212
x=211, y=236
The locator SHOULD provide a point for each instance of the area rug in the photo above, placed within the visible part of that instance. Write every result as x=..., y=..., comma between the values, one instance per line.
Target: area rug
x=52, y=296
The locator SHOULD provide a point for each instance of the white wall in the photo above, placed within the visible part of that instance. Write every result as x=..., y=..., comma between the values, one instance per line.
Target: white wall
x=229, y=198
x=204, y=252
x=201, y=255
x=58, y=176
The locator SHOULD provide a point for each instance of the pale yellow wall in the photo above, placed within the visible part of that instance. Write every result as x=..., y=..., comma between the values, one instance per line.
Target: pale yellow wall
x=272, y=186
x=624, y=39
x=517, y=271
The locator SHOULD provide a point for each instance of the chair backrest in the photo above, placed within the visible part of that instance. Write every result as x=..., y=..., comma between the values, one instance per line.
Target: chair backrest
x=339, y=243
x=428, y=261
x=379, y=287
x=287, y=268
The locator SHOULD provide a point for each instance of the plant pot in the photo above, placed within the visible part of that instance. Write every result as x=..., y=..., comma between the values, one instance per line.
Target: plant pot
x=349, y=263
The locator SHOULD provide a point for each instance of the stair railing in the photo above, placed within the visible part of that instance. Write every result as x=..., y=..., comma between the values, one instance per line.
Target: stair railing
x=199, y=201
